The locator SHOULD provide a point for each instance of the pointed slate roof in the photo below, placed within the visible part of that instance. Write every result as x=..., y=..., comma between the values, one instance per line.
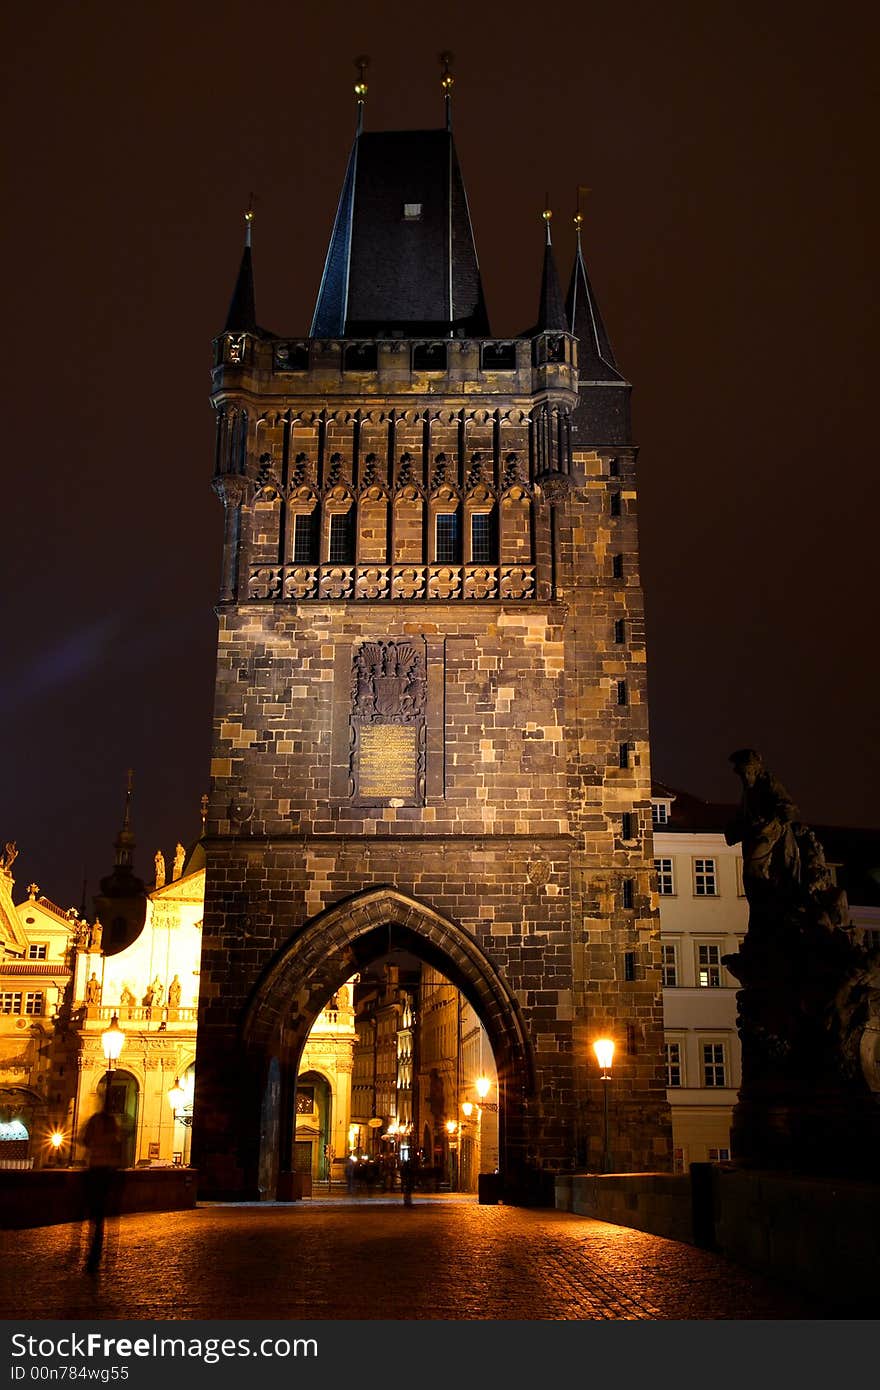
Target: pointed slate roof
x=242, y=317
x=595, y=356
x=402, y=258
x=551, y=309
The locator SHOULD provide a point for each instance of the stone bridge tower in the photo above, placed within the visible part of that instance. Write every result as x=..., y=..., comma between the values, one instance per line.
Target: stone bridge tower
x=430, y=725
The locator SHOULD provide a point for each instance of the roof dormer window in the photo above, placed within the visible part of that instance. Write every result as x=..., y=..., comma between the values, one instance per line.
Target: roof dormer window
x=412, y=212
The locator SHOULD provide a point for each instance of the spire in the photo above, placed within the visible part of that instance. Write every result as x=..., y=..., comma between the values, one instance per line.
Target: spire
x=447, y=82
x=360, y=90
x=242, y=316
x=595, y=356
x=121, y=903
x=402, y=259
x=551, y=311
x=124, y=842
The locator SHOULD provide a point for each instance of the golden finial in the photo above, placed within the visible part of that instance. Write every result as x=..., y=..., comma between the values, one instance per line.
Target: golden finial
x=579, y=216
x=547, y=214
x=447, y=82
x=360, y=88
x=249, y=220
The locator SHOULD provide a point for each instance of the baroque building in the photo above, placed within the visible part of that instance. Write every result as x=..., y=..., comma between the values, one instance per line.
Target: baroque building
x=430, y=725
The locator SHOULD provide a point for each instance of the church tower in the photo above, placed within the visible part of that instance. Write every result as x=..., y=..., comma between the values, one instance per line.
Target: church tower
x=430, y=726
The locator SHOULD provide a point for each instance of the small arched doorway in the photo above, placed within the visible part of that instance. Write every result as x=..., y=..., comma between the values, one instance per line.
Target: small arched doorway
x=329, y=950
x=118, y=1091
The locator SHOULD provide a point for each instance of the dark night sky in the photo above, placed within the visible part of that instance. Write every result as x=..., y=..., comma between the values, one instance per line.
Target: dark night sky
x=731, y=238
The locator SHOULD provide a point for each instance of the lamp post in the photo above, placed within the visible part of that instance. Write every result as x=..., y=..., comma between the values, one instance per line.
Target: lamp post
x=453, y=1129
x=604, y=1050
x=177, y=1100
x=112, y=1040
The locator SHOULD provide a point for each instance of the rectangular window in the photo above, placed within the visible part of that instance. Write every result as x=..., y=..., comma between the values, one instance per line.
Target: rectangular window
x=617, y=566
x=673, y=1064
x=614, y=468
x=481, y=538
x=304, y=535
x=33, y=1002
x=622, y=693
x=719, y=1155
x=679, y=1160
x=714, y=1071
x=10, y=1003
x=341, y=549
x=412, y=212
x=614, y=504
x=669, y=964
x=623, y=755
x=659, y=812
x=37, y=951
x=305, y=1100
x=629, y=965
x=619, y=630
x=627, y=826
x=665, y=880
x=709, y=967
x=628, y=892
x=705, y=881
x=631, y=1040
x=447, y=538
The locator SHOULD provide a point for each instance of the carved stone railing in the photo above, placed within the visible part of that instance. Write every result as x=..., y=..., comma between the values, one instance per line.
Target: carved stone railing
x=295, y=583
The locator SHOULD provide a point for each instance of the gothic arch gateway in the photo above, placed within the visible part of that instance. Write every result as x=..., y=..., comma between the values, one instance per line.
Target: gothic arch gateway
x=326, y=952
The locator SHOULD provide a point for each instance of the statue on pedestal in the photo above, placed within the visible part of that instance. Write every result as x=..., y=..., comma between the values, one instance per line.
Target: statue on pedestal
x=808, y=1012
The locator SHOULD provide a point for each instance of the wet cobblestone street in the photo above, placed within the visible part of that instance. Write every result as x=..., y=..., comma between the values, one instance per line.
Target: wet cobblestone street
x=441, y=1258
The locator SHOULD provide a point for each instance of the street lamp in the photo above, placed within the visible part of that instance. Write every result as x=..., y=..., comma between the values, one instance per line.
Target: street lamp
x=604, y=1050
x=112, y=1040
x=452, y=1130
x=177, y=1099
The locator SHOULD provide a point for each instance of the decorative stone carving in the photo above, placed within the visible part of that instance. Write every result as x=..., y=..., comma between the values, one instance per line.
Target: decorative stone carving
x=539, y=872
x=301, y=582
x=481, y=582
x=265, y=582
x=408, y=582
x=388, y=682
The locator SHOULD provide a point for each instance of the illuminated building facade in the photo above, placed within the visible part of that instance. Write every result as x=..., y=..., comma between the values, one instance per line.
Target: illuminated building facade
x=430, y=726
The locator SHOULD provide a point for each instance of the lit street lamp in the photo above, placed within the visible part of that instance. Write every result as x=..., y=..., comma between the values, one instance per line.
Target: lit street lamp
x=177, y=1097
x=604, y=1050
x=112, y=1040
x=453, y=1130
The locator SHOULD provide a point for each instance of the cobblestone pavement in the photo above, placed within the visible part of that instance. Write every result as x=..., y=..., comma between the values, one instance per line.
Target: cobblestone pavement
x=366, y=1258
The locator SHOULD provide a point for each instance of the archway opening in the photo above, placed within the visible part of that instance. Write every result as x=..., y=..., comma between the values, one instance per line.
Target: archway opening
x=438, y=1070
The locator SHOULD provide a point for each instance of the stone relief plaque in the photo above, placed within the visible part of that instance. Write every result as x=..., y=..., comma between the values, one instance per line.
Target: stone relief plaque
x=388, y=694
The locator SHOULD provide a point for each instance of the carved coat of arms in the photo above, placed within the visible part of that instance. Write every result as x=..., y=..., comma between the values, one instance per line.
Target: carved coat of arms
x=388, y=682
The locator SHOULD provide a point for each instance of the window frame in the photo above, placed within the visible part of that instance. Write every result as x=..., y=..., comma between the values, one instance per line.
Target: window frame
x=713, y=1064
x=674, y=1065
x=666, y=965
x=702, y=876
x=708, y=965
x=664, y=874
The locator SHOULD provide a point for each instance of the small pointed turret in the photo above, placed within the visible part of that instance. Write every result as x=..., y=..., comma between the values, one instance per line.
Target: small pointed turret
x=595, y=357
x=361, y=89
x=551, y=310
x=122, y=902
x=242, y=317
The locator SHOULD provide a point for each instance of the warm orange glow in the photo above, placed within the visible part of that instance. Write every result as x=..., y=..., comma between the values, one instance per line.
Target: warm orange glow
x=468, y=1109
x=451, y=1126
x=56, y=1139
x=483, y=1085
x=112, y=1040
x=604, y=1050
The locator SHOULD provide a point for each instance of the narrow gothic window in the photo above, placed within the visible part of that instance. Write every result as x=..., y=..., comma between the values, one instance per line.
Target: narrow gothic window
x=622, y=698
x=341, y=551
x=629, y=965
x=623, y=757
x=627, y=826
x=614, y=468
x=619, y=630
x=447, y=538
x=631, y=1039
x=628, y=892
x=481, y=538
x=304, y=536
x=614, y=503
x=617, y=566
